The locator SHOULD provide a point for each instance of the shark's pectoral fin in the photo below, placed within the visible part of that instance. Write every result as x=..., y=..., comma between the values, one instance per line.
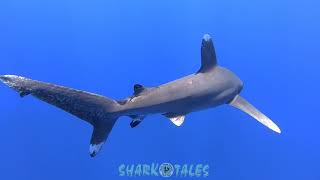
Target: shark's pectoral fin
x=175, y=118
x=246, y=107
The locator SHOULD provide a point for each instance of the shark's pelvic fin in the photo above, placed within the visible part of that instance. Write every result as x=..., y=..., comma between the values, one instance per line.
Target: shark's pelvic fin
x=208, y=54
x=175, y=119
x=246, y=107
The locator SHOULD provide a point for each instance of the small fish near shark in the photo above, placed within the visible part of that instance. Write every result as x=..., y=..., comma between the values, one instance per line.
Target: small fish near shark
x=211, y=86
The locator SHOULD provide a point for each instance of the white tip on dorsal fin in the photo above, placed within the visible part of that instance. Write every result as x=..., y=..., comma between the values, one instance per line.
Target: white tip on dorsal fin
x=246, y=107
x=176, y=119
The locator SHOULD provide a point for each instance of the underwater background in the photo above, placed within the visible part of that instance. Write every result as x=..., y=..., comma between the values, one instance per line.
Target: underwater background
x=106, y=46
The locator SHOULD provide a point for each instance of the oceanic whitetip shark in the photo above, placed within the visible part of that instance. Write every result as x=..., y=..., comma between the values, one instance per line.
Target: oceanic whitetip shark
x=211, y=86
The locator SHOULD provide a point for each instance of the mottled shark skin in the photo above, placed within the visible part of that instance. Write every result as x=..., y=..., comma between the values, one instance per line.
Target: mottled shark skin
x=211, y=86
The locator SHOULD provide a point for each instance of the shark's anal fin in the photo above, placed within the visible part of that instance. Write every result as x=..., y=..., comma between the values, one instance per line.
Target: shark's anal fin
x=136, y=120
x=208, y=54
x=245, y=106
x=176, y=119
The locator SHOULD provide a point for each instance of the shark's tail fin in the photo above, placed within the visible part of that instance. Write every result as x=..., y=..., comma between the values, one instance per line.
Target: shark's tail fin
x=97, y=110
x=101, y=130
x=245, y=106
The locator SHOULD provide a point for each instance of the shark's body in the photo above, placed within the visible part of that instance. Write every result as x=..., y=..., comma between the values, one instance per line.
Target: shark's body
x=211, y=86
x=191, y=93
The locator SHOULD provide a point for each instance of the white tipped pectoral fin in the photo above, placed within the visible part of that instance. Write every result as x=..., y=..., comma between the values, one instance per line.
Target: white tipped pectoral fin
x=242, y=104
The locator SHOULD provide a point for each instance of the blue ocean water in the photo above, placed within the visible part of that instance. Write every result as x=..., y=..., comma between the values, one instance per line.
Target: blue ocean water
x=106, y=46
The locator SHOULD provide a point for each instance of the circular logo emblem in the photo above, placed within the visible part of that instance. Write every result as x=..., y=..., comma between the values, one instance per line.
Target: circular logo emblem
x=166, y=170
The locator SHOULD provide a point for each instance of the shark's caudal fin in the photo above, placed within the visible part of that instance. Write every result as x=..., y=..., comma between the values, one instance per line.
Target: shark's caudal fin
x=92, y=108
x=208, y=54
x=246, y=107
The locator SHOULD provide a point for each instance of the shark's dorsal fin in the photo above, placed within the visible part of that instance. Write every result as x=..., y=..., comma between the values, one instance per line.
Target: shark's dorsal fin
x=175, y=119
x=138, y=88
x=208, y=54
